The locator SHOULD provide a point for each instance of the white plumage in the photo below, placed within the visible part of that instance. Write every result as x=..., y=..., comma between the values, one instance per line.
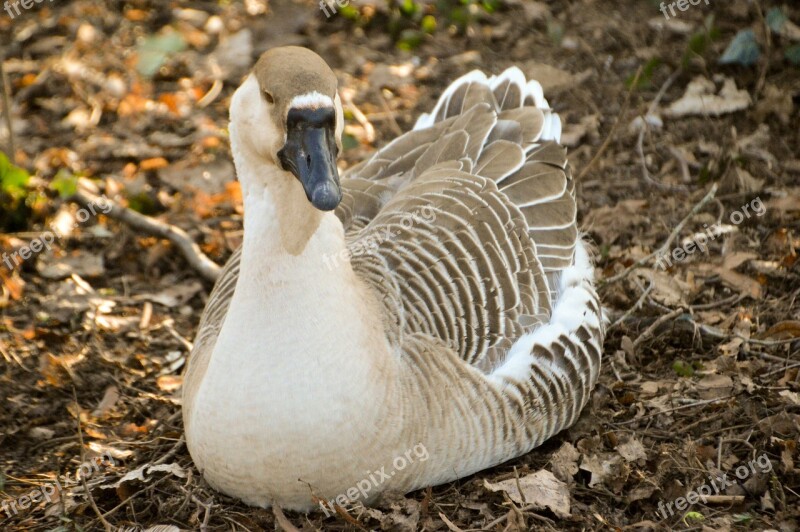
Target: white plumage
x=474, y=330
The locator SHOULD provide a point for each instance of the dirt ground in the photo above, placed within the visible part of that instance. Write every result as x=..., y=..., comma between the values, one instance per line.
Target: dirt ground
x=700, y=375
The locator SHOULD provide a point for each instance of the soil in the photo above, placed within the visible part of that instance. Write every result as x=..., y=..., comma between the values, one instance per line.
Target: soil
x=700, y=376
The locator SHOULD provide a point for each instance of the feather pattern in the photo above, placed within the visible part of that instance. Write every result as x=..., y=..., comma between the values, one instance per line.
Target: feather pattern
x=464, y=229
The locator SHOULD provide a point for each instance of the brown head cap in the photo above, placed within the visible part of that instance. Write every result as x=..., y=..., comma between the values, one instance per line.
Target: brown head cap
x=290, y=71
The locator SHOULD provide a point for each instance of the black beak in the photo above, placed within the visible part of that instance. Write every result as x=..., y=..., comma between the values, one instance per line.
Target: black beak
x=310, y=154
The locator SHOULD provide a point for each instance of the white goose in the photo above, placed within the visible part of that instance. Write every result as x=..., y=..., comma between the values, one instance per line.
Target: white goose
x=467, y=327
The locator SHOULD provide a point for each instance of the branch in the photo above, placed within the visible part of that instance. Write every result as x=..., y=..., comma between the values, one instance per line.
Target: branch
x=198, y=260
x=6, y=94
x=668, y=243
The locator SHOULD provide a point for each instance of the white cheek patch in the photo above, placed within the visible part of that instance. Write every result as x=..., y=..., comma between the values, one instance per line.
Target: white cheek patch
x=311, y=100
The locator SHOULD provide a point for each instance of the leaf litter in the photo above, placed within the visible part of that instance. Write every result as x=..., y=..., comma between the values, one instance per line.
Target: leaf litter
x=134, y=101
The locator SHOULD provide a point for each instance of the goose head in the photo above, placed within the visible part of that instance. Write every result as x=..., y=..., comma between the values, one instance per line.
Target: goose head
x=287, y=113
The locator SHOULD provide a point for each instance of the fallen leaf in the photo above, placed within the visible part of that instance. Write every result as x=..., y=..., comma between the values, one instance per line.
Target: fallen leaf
x=102, y=449
x=108, y=401
x=574, y=133
x=667, y=289
x=540, y=489
x=783, y=330
x=701, y=98
x=742, y=50
x=632, y=450
x=742, y=283
x=604, y=467
x=564, y=462
x=143, y=474
x=554, y=80
x=714, y=386
x=169, y=383
x=609, y=221
x=80, y=263
x=792, y=398
x=173, y=296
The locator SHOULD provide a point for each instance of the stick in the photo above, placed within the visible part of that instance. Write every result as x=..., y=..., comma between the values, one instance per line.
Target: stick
x=106, y=524
x=198, y=260
x=281, y=520
x=666, y=245
x=640, y=141
x=648, y=333
x=7, y=111
x=724, y=499
x=762, y=76
x=611, y=133
x=634, y=307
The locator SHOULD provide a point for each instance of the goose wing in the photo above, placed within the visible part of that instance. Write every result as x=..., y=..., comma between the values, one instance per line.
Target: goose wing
x=462, y=224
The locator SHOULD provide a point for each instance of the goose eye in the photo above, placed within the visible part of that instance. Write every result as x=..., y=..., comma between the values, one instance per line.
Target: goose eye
x=268, y=97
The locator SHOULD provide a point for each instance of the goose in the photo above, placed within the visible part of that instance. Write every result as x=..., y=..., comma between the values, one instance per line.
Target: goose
x=427, y=315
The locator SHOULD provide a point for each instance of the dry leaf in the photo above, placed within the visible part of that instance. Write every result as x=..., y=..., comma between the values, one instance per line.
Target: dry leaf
x=667, y=289
x=608, y=222
x=554, y=80
x=173, y=296
x=541, y=489
x=606, y=468
x=108, y=401
x=80, y=263
x=714, y=386
x=740, y=282
x=142, y=474
x=632, y=450
x=564, y=462
x=169, y=383
x=783, y=330
x=701, y=98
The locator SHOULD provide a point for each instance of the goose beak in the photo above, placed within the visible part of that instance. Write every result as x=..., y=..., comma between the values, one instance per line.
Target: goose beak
x=310, y=154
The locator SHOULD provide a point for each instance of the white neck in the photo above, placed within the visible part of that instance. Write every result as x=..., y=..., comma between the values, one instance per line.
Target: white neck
x=305, y=333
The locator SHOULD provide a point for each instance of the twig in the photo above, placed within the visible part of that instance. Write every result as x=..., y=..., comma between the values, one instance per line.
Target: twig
x=188, y=247
x=611, y=133
x=529, y=509
x=7, y=110
x=674, y=409
x=634, y=307
x=648, y=333
x=519, y=488
x=12, y=357
x=96, y=510
x=369, y=130
x=762, y=76
x=207, y=516
x=172, y=452
x=716, y=333
x=735, y=298
x=640, y=141
x=450, y=525
x=281, y=520
x=668, y=243
x=724, y=499
x=784, y=368
x=392, y=122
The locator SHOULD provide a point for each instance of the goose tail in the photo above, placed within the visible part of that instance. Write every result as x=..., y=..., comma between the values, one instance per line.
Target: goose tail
x=510, y=90
x=553, y=369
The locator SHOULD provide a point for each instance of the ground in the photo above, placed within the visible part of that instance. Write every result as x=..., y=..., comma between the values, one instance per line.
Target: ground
x=700, y=375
